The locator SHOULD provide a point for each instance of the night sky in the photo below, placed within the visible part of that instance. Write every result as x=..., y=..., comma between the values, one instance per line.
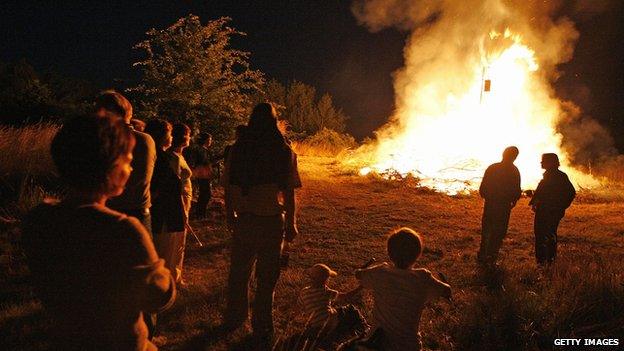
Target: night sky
x=316, y=42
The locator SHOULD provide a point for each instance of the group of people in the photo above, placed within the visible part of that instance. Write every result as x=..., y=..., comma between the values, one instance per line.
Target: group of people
x=500, y=188
x=107, y=258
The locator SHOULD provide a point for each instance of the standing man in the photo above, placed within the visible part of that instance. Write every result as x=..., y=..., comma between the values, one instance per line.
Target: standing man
x=260, y=180
x=135, y=200
x=553, y=196
x=501, y=190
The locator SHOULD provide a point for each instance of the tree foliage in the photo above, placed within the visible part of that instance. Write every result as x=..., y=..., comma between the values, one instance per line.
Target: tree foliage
x=27, y=96
x=305, y=112
x=192, y=74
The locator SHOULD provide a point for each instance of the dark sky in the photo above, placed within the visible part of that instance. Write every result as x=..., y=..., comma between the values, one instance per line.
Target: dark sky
x=317, y=42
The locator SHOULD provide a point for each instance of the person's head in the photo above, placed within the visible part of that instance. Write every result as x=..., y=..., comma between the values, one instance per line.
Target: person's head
x=137, y=124
x=93, y=154
x=319, y=274
x=550, y=161
x=404, y=247
x=181, y=134
x=112, y=102
x=160, y=131
x=510, y=154
x=263, y=121
x=205, y=139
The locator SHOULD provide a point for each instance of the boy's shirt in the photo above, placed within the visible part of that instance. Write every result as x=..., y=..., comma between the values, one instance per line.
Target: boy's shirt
x=400, y=296
x=317, y=304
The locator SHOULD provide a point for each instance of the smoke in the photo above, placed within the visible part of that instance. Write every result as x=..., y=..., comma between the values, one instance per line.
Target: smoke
x=450, y=37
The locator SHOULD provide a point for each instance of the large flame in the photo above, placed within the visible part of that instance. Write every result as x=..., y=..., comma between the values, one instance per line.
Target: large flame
x=449, y=129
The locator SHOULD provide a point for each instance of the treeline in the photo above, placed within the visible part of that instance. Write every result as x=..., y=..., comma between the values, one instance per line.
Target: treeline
x=27, y=96
x=190, y=73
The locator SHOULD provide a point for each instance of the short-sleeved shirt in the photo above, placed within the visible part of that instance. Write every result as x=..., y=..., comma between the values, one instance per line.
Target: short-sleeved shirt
x=95, y=271
x=317, y=304
x=261, y=199
x=136, y=195
x=400, y=296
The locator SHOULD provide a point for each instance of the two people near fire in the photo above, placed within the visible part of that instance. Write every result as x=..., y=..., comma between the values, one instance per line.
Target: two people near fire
x=500, y=188
x=95, y=269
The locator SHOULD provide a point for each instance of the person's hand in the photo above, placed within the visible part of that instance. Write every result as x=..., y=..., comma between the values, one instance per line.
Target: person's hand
x=290, y=231
x=231, y=220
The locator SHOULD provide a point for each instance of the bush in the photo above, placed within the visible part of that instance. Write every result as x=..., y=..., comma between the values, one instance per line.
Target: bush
x=326, y=142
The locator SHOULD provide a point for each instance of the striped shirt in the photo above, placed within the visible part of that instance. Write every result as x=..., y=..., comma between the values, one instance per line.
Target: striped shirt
x=317, y=304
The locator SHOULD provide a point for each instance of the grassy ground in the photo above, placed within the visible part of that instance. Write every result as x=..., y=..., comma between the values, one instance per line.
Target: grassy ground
x=343, y=221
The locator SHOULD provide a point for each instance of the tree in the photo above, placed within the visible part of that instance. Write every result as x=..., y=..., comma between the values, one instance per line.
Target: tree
x=191, y=74
x=298, y=104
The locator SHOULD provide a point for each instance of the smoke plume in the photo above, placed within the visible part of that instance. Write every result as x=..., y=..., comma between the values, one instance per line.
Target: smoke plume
x=450, y=38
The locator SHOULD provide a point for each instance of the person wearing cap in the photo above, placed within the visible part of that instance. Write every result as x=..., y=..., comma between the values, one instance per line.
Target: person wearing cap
x=320, y=302
x=500, y=188
x=554, y=194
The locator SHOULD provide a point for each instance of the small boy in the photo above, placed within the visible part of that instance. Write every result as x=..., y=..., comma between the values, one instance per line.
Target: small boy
x=318, y=302
x=400, y=292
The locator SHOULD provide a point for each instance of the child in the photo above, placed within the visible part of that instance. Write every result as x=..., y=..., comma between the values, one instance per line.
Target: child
x=323, y=318
x=400, y=292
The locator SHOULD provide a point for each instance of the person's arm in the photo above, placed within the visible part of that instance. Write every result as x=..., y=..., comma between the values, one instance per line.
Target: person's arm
x=438, y=288
x=291, y=230
x=290, y=207
x=535, y=200
x=153, y=284
x=517, y=188
x=485, y=183
x=342, y=297
x=229, y=211
x=570, y=192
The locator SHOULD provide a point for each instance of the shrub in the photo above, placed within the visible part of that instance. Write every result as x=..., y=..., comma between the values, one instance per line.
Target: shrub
x=326, y=142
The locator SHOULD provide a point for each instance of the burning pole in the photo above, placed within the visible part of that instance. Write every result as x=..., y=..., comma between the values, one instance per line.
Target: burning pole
x=486, y=85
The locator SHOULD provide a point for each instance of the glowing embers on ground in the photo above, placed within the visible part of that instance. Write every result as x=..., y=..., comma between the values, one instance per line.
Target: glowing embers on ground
x=450, y=126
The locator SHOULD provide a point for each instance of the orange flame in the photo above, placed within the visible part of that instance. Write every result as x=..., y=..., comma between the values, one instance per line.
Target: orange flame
x=446, y=136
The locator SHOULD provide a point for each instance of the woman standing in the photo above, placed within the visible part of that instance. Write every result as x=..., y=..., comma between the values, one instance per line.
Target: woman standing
x=95, y=269
x=260, y=178
x=170, y=202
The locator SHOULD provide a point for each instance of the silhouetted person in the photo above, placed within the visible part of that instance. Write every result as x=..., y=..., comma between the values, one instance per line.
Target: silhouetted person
x=260, y=178
x=94, y=269
x=553, y=196
x=500, y=188
x=200, y=161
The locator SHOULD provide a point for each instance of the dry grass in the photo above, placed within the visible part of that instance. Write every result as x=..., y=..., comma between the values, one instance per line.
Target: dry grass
x=343, y=221
x=26, y=151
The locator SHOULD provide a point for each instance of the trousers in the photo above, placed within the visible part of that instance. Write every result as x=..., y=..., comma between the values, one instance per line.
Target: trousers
x=545, y=229
x=256, y=240
x=494, y=225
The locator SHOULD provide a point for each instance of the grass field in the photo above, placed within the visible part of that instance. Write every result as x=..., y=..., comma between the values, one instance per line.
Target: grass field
x=343, y=221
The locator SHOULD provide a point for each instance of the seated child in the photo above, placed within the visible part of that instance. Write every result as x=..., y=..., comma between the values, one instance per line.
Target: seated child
x=319, y=302
x=400, y=292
